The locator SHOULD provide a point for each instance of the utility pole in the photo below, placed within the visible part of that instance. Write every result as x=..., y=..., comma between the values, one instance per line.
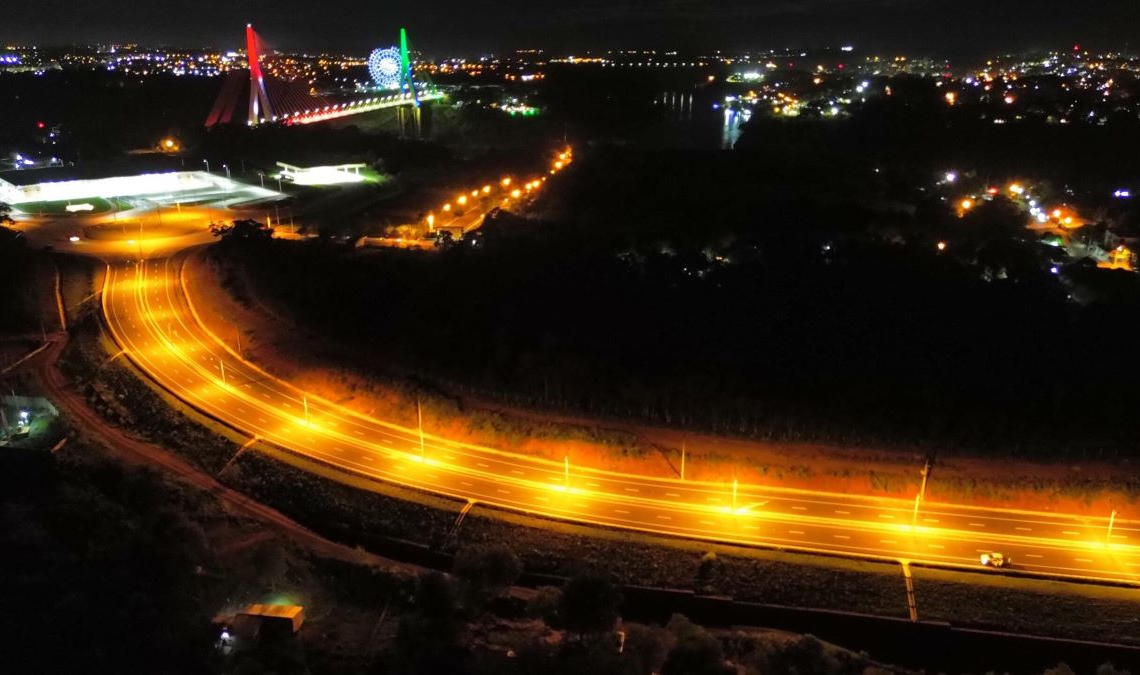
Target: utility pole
x=1111, y=521
x=914, y=517
x=222, y=364
x=237, y=331
x=926, y=474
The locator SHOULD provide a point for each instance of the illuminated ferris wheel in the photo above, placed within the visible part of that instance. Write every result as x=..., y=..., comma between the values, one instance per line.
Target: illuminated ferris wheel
x=384, y=67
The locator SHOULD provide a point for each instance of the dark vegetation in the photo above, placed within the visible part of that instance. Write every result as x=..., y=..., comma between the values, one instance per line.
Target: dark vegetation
x=483, y=565
x=781, y=292
x=101, y=559
x=18, y=279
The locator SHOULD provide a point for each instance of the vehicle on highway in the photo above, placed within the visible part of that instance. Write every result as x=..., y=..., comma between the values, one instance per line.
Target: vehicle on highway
x=995, y=560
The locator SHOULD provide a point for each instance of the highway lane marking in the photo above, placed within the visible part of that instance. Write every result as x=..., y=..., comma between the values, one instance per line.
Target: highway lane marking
x=931, y=520
x=593, y=485
x=367, y=458
x=707, y=522
x=541, y=499
x=1033, y=555
x=466, y=484
x=976, y=524
x=433, y=476
x=502, y=491
x=887, y=541
x=383, y=440
x=1082, y=560
x=712, y=499
x=1071, y=532
x=1023, y=529
x=751, y=527
x=935, y=546
x=1119, y=536
x=448, y=457
x=621, y=511
x=286, y=404
x=517, y=472
x=843, y=513
x=799, y=508
x=664, y=518
x=884, y=515
x=358, y=432
x=672, y=494
x=263, y=420
x=482, y=465
x=840, y=536
x=629, y=489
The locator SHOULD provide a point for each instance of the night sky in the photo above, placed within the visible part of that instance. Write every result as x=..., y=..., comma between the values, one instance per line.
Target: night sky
x=470, y=27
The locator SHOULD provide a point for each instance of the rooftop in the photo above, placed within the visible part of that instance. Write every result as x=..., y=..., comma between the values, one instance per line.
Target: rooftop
x=133, y=166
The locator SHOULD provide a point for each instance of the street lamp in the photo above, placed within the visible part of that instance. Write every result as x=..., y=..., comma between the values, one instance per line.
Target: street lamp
x=207, y=163
x=227, y=168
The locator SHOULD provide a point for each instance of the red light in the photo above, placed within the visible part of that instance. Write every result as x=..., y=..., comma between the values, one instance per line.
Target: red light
x=40, y=125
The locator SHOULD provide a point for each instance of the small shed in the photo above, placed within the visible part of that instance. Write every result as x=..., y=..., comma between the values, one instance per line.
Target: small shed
x=258, y=621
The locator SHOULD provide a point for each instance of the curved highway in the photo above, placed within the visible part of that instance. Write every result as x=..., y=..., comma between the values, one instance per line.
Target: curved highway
x=151, y=319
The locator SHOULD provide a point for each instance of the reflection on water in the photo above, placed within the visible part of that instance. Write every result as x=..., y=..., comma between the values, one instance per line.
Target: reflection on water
x=694, y=119
x=678, y=103
x=730, y=128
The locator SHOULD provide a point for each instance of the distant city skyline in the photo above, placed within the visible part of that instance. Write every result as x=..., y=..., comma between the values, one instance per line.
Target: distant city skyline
x=948, y=27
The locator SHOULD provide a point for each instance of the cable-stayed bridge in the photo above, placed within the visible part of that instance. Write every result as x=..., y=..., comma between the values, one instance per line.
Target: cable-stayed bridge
x=272, y=100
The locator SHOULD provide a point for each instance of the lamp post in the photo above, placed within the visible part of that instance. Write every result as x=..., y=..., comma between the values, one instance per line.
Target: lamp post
x=207, y=163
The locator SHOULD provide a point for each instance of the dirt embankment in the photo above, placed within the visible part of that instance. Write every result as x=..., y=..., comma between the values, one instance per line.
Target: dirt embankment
x=233, y=311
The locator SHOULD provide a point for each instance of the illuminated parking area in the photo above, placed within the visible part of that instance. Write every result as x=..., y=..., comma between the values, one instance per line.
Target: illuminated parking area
x=20, y=187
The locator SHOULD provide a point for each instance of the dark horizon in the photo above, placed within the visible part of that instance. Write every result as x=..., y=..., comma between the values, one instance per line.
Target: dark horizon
x=969, y=28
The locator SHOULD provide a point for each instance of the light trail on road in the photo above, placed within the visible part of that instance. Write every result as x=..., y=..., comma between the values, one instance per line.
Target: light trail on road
x=152, y=320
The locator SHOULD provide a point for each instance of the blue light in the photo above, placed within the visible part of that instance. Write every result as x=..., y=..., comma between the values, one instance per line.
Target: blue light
x=384, y=67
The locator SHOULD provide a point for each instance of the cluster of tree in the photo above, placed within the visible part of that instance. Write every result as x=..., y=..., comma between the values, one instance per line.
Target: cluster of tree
x=99, y=572
x=744, y=295
x=19, y=304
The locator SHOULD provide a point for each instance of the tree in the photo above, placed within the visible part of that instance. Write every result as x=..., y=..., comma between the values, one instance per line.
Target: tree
x=706, y=573
x=696, y=651
x=270, y=562
x=426, y=635
x=589, y=604
x=544, y=604
x=241, y=230
x=485, y=571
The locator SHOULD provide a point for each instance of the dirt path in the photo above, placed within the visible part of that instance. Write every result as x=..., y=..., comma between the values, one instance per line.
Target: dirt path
x=135, y=451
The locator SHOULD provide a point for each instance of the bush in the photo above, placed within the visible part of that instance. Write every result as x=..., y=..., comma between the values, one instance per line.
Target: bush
x=485, y=571
x=589, y=604
x=544, y=605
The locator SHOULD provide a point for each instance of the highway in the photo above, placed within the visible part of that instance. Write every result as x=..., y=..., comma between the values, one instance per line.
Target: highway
x=152, y=321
